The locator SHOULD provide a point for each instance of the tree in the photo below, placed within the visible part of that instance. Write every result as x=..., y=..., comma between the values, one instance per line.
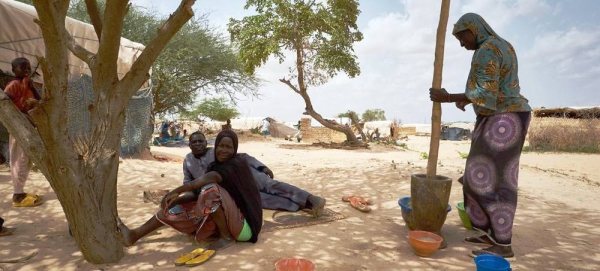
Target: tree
x=373, y=115
x=196, y=60
x=320, y=36
x=83, y=171
x=214, y=108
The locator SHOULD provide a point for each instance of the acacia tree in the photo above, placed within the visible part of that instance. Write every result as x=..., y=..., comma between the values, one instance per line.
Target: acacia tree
x=320, y=36
x=196, y=60
x=373, y=115
x=83, y=171
x=214, y=108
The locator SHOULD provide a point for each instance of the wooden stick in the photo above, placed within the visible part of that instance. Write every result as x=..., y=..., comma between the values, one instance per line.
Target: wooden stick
x=436, y=114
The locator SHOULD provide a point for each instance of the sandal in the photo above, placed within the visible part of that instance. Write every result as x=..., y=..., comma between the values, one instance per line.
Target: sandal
x=479, y=240
x=5, y=231
x=188, y=256
x=30, y=200
x=358, y=203
x=202, y=258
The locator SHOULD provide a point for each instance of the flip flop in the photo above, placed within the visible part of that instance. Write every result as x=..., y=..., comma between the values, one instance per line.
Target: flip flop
x=30, y=200
x=204, y=257
x=510, y=257
x=366, y=201
x=358, y=203
x=478, y=240
x=188, y=256
x=6, y=231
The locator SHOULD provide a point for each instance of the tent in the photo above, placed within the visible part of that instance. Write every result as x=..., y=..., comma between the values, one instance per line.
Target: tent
x=21, y=37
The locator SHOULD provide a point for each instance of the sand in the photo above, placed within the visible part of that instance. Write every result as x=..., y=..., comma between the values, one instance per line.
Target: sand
x=555, y=226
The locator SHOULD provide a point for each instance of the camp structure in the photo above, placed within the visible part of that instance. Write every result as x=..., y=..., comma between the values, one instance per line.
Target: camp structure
x=20, y=36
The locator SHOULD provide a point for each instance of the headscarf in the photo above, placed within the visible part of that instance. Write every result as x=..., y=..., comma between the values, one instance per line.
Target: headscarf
x=477, y=25
x=239, y=182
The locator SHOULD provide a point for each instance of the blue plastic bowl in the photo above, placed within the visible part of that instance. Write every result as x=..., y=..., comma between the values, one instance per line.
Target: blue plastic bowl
x=407, y=209
x=487, y=262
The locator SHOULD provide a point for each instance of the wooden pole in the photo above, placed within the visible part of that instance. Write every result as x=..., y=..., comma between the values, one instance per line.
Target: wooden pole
x=436, y=114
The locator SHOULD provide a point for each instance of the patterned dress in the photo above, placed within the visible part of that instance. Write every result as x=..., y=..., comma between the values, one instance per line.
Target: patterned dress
x=490, y=181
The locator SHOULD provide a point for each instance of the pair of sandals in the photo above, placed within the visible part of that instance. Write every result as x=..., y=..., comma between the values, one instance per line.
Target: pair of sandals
x=485, y=241
x=358, y=203
x=196, y=257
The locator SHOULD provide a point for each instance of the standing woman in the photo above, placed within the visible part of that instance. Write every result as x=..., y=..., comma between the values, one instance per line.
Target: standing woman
x=491, y=174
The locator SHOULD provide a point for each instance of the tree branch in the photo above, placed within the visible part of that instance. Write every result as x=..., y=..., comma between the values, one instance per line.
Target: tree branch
x=94, y=12
x=78, y=50
x=108, y=49
x=287, y=82
x=142, y=65
x=17, y=125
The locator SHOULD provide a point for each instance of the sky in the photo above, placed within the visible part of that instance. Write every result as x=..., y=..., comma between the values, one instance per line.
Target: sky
x=557, y=44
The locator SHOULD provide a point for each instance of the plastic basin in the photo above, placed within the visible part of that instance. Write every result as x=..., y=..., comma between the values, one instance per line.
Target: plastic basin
x=294, y=264
x=487, y=262
x=424, y=243
x=463, y=215
x=407, y=210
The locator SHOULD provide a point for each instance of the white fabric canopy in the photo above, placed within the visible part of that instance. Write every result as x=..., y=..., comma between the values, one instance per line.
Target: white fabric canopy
x=20, y=36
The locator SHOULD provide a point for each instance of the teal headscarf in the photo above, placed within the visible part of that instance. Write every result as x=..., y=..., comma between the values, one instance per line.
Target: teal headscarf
x=477, y=25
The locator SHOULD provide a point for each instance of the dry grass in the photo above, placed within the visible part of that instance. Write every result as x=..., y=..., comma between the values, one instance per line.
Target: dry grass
x=566, y=135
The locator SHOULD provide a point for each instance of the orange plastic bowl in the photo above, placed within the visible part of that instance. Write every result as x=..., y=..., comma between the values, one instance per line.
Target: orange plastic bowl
x=294, y=264
x=424, y=243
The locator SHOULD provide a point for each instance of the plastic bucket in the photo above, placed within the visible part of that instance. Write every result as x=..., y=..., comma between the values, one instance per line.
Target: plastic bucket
x=463, y=215
x=487, y=262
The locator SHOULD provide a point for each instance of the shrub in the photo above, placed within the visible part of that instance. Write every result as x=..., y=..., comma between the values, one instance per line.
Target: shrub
x=563, y=134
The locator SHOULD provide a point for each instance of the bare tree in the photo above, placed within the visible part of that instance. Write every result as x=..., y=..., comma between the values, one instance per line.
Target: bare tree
x=83, y=171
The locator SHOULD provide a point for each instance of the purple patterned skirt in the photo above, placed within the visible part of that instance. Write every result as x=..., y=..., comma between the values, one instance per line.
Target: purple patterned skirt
x=491, y=174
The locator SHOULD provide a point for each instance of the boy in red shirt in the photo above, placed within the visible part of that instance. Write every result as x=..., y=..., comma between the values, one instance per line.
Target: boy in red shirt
x=23, y=94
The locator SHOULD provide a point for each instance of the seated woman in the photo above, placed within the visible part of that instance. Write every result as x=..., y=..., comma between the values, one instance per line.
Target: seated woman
x=224, y=201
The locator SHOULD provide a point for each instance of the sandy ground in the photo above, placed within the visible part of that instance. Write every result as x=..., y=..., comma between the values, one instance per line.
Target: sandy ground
x=555, y=227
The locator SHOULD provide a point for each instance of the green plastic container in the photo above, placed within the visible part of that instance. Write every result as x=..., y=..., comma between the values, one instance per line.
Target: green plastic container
x=463, y=215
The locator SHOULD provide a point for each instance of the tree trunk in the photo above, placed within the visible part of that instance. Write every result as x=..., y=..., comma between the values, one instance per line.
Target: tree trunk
x=350, y=136
x=436, y=114
x=356, y=123
x=82, y=171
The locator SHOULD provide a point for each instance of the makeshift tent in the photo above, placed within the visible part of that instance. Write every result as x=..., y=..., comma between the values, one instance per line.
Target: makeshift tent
x=455, y=133
x=20, y=36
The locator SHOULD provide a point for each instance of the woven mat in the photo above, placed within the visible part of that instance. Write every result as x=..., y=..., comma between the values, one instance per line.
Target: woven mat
x=272, y=220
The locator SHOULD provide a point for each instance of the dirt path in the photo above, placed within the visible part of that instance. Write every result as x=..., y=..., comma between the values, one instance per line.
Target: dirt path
x=554, y=227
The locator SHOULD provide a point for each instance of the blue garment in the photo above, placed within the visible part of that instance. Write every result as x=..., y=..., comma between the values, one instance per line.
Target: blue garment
x=493, y=83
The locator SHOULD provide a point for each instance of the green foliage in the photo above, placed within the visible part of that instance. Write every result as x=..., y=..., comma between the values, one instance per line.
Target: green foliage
x=320, y=34
x=424, y=155
x=214, y=108
x=373, y=115
x=463, y=155
x=196, y=61
x=348, y=114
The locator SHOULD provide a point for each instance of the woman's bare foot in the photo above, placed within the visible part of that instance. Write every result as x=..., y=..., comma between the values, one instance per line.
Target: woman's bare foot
x=125, y=233
x=221, y=244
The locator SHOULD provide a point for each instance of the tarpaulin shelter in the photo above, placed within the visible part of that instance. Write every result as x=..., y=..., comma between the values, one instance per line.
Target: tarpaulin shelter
x=20, y=36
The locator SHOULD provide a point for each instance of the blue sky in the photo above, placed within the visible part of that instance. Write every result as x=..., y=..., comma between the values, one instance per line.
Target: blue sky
x=557, y=43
